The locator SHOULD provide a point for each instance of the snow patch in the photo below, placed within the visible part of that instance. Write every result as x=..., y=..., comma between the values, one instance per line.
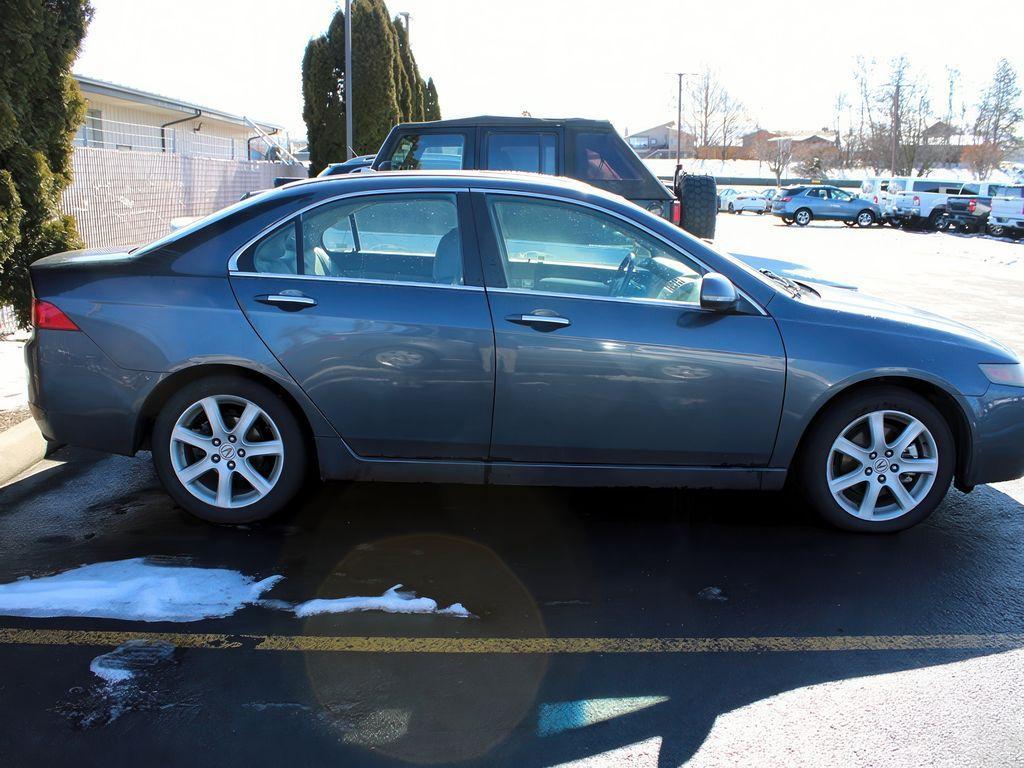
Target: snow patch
x=122, y=663
x=136, y=590
x=392, y=601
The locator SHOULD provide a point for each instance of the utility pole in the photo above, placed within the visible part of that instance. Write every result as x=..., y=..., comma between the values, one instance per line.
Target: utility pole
x=895, y=122
x=405, y=15
x=348, y=81
x=679, y=122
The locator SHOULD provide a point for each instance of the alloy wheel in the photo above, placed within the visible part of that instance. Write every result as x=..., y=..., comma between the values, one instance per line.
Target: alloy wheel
x=865, y=219
x=803, y=218
x=226, y=451
x=882, y=465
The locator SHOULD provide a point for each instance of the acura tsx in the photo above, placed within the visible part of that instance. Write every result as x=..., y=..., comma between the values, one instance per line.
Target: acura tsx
x=502, y=328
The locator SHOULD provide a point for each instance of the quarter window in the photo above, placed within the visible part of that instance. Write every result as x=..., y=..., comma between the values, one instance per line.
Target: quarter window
x=556, y=247
x=530, y=152
x=603, y=157
x=429, y=151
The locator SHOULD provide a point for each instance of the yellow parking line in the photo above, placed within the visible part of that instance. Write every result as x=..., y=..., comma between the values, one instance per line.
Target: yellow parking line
x=520, y=645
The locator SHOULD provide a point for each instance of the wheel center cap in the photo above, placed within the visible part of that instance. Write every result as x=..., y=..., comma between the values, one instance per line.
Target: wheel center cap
x=881, y=465
x=228, y=451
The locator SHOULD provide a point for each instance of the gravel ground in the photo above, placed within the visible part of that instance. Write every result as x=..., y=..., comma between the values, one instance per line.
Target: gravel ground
x=11, y=417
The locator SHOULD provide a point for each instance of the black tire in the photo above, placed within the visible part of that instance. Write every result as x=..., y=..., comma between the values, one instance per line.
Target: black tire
x=868, y=216
x=698, y=199
x=812, y=463
x=850, y=224
x=294, y=458
x=803, y=217
x=997, y=230
x=936, y=220
x=732, y=208
x=787, y=222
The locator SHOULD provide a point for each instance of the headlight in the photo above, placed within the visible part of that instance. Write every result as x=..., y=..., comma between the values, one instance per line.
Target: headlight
x=1008, y=374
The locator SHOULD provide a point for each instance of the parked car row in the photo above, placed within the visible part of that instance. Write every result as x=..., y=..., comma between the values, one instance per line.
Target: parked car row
x=927, y=203
x=737, y=201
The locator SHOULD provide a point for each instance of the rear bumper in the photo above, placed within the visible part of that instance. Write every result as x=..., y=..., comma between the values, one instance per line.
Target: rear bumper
x=79, y=397
x=965, y=219
x=998, y=447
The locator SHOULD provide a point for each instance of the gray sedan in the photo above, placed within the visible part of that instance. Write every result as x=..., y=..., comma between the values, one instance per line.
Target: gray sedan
x=477, y=328
x=801, y=205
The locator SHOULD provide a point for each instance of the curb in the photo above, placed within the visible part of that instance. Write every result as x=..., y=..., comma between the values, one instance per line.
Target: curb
x=21, y=446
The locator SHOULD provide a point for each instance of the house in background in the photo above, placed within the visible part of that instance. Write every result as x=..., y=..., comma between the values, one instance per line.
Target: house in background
x=144, y=163
x=660, y=141
x=119, y=117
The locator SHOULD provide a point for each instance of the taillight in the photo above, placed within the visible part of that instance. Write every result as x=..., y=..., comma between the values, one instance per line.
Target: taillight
x=972, y=205
x=786, y=199
x=677, y=212
x=917, y=200
x=875, y=199
x=47, y=317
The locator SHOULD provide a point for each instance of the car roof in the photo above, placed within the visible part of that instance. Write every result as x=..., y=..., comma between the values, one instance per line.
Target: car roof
x=508, y=121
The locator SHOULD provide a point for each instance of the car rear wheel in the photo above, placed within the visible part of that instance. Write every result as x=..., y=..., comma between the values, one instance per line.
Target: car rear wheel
x=937, y=220
x=878, y=461
x=732, y=208
x=865, y=219
x=802, y=217
x=228, y=450
x=788, y=222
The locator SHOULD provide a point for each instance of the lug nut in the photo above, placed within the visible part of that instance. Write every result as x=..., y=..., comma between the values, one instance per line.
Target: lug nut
x=873, y=455
x=231, y=438
x=216, y=441
x=231, y=465
x=895, y=467
x=868, y=471
x=881, y=478
x=888, y=454
x=241, y=451
x=215, y=458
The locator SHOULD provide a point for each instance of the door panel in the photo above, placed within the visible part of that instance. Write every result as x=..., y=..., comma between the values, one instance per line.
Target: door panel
x=629, y=383
x=378, y=326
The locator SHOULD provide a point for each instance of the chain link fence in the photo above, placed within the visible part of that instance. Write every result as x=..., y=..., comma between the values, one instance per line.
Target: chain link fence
x=122, y=198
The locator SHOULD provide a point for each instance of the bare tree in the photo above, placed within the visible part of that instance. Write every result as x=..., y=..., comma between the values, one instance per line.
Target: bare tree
x=731, y=118
x=776, y=153
x=999, y=116
x=715, y=118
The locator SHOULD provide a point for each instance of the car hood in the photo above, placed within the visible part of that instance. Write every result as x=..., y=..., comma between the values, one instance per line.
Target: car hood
x=864, y=309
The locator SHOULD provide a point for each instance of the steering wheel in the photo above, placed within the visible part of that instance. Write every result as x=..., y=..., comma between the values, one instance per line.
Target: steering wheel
x=624, y=272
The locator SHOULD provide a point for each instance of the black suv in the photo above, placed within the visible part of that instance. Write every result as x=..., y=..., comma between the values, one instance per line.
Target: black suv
x=588, y=150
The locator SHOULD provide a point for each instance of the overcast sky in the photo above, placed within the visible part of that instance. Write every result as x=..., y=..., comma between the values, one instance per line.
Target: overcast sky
x=555, y=58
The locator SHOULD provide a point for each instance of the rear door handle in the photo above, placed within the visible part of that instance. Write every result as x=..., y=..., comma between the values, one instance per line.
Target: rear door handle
x=287, y=300
x=540, y=322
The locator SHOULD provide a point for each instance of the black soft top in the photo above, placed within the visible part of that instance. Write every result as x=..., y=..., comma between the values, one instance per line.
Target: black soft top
x=505, y=120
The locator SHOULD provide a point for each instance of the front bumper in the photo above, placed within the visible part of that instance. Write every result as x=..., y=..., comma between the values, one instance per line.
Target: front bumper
x=998, y=442
x=78, y=396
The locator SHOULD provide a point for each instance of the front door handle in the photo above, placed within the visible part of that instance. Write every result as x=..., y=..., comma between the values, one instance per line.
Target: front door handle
x=287, y=300
x=540, y=322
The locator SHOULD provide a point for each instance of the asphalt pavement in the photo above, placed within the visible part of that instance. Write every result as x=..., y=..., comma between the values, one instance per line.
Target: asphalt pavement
x=627, y=626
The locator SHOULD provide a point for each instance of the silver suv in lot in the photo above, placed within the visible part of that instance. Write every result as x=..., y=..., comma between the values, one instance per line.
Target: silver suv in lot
x=802, y=205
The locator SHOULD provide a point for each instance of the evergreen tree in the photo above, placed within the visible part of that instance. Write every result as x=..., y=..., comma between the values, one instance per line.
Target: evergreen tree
x=323, y=96
x=41, y=107
x=431, y=107
x=374, y=98
x=412, y=72
x=403, y=86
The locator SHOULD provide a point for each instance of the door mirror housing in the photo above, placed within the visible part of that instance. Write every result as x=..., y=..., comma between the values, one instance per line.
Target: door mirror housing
x=717, y=293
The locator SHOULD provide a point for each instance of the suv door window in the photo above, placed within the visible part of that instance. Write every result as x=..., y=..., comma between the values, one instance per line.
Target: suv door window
x=429, y=151
x=602, y=156
x=557, y=247
x=530, y=152
x=818, y=193
x=395, y=238
x=840, y=195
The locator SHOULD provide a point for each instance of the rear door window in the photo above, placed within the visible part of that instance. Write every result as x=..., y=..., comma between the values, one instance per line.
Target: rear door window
x=529, y=152
x=429, y=151
x=602, y=157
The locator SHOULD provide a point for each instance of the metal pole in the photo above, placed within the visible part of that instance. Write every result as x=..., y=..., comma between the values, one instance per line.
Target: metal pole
x=679, y=125
x=349, y=139
x=405, y=15
x=895, y=122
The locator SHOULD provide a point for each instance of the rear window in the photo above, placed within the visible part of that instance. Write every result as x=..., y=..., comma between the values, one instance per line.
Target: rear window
x=940, y=187
x=603, y=157
x=429, y=151
x=792, y=191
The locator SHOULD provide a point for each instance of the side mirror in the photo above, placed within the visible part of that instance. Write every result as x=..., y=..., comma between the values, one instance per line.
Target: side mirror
x=717, y=293
x=384, y=166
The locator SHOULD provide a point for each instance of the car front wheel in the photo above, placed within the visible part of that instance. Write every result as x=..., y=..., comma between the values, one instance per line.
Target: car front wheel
x=878, y=461
x=228, y=450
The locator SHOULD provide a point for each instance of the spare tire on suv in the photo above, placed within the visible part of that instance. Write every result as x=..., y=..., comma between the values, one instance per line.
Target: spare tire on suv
x=698, y=202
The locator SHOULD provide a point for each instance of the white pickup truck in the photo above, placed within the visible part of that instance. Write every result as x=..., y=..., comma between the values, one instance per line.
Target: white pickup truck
x=1006, y=217
x=922, y=202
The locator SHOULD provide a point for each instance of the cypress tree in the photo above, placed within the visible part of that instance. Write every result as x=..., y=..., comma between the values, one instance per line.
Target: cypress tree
x=412, y=72
x=431, y=107
x=403, y=86
x=323, y=96
x=41, y=107
x=375, y=98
